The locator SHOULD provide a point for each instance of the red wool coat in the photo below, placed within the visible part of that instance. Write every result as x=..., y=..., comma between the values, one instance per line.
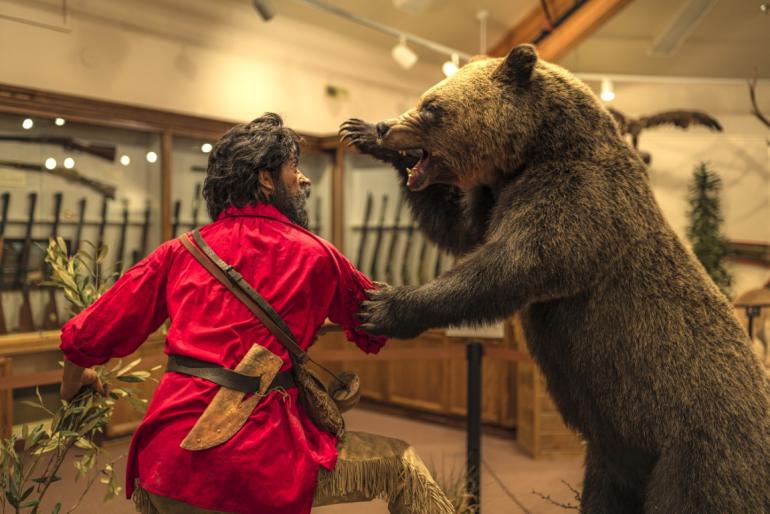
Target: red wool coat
x=270, y=465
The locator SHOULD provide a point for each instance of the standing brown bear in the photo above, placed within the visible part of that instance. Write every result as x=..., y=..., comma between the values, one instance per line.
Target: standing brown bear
x=516, y=166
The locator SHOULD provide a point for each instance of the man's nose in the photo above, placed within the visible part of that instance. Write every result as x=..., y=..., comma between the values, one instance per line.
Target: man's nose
x=303, y=180
x=382, y=129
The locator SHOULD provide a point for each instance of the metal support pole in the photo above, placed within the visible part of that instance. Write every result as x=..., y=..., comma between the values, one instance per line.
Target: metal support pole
x=752, y=311
x=474, y=352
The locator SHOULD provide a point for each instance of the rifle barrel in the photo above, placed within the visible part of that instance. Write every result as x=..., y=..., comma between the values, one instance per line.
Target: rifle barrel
x=375, y=272
x=393, y=241
x=106, y=152
x=364, y=230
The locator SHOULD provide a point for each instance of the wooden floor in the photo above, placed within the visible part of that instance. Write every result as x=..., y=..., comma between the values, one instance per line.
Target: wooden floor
x=441, y=447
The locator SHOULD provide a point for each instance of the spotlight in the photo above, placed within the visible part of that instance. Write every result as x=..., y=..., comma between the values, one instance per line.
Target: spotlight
x=264, y=10
x=403, y=55
x=206, y=147
x=125, y=160
x=450, y=67
x=27, y=124
x=608, y=91
x=69, y=163
x=59, y=122
x=50, y=163
x=152, y=157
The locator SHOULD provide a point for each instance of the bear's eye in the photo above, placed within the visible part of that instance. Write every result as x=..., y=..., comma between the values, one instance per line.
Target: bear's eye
x=430, y=108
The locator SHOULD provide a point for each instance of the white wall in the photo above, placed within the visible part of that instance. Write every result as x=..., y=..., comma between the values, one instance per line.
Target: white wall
x=740, y=155
x=208, y=58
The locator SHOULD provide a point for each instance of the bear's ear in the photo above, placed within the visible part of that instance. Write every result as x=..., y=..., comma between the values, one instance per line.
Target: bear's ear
x=517, y=67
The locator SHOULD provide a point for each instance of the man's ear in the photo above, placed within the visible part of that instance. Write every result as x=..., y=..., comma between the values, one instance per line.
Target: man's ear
x=266, y=181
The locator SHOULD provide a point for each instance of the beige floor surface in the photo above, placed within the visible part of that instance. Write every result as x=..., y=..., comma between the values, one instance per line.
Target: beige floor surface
x=441, y=447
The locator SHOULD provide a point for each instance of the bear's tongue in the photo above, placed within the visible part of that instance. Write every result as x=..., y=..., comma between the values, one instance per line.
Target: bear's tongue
x=417, y=178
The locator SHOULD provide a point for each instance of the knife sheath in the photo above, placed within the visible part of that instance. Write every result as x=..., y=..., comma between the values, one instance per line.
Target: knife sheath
x=228, y=411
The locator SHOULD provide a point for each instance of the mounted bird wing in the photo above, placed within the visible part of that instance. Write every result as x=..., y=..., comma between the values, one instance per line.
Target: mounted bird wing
x=681, y=119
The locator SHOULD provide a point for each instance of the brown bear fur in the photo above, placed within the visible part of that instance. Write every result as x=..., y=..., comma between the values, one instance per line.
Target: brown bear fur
x=553, y=216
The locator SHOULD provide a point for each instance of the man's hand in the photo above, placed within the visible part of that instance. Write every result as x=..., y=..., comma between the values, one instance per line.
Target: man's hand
x=76, y=377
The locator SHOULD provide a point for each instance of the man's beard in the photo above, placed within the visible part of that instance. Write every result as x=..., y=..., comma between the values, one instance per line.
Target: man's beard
x=292, y=205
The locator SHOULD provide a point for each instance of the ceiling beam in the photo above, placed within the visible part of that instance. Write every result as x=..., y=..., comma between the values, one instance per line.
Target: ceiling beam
x=552, y=37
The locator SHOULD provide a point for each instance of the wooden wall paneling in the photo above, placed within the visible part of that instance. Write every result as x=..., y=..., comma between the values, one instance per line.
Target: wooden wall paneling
x=418, y=383
x=35, y=102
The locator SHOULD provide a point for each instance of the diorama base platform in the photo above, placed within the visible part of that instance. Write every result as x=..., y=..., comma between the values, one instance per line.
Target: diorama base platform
x=442, y=448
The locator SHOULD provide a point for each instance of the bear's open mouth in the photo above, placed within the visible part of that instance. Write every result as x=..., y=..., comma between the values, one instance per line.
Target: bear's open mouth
x=417, y=178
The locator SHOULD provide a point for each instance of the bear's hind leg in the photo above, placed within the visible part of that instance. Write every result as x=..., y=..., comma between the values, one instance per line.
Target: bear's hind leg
x=709, y=477
x=602, y=495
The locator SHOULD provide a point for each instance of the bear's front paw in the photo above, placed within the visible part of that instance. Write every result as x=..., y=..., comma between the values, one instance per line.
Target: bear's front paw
x=360, y=134
x=387, y=312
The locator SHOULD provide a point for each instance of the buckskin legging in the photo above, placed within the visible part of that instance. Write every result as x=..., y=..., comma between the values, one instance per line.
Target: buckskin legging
x=368, y=467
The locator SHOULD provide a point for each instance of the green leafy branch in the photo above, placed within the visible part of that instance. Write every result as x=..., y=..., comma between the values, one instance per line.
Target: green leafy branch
x=27, y=473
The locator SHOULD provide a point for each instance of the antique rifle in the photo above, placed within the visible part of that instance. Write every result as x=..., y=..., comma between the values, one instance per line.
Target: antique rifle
x=26, y=322
x=79, y=227
x=71, y=175
x=364, y=230
x=421, y=277
x=3, y=220
x=175, y=222
x=389, y=277
x=51, y=316
x=142, y=251
x=102, y=224
x=375, y=272
x=106, y=152
x=196, y=206
x=406, y=257
x=122, y=239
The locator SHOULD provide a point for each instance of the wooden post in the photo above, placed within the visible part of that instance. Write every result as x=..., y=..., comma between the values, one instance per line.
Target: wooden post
x=338, y=198
x=166, y=145
x=6, y=400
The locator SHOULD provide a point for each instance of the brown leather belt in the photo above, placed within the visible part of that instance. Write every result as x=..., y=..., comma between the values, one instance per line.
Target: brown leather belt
x=224, y=376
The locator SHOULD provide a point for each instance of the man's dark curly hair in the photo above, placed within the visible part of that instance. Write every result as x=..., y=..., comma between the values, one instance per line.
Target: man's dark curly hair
x=232, y=177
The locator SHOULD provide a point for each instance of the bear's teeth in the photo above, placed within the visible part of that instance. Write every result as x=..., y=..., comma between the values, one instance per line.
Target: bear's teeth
x=409, y=171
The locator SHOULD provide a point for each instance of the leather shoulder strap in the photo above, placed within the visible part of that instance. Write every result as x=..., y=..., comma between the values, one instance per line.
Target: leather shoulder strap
x=235, y=282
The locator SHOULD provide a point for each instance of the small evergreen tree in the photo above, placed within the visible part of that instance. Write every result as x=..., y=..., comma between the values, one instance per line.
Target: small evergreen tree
x=703, y=231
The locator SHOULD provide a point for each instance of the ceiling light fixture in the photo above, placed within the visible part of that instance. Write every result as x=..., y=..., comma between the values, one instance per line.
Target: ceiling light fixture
x=385, y=29
x=608, y=91
x=125, y=160
x=206, y=147
x=59, y=122
x=27, y=124
x=69, y=163
x=50, y=163
x=152, y=157
x=403, y=55
x=451, y=66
